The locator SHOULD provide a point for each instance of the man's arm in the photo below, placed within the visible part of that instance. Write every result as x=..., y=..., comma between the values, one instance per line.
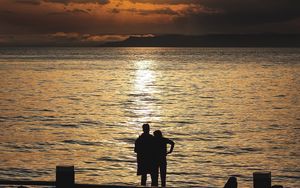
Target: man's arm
x=136, y=146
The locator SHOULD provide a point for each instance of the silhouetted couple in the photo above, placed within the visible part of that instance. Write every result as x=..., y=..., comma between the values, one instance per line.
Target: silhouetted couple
x=152, y=155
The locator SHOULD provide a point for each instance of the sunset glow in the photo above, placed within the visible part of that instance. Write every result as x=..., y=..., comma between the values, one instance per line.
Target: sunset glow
x=78, y=22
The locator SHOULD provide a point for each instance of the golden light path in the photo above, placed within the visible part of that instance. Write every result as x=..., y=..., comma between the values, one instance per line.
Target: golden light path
x=145, y=91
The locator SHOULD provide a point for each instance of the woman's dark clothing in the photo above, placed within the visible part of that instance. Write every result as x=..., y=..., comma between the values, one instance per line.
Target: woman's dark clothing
x=161, y=157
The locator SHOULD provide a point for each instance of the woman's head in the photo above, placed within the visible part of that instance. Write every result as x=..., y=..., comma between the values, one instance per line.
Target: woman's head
x=158, y=133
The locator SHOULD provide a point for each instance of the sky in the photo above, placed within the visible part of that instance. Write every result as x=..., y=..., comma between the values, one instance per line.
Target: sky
x=92, y=22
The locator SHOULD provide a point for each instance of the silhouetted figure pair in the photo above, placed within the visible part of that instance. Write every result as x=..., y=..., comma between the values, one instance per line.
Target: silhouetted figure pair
x=152, y=156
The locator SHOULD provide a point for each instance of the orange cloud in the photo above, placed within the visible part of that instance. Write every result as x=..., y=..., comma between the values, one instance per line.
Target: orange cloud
x=92, y=16
x=117, y=18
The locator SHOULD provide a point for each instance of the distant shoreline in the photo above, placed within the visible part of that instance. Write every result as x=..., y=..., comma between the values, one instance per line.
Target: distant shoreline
x=264, y=40
x=234, y=40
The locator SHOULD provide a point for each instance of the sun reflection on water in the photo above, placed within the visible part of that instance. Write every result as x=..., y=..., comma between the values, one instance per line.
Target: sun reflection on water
x=144, y=77
x=144, y=92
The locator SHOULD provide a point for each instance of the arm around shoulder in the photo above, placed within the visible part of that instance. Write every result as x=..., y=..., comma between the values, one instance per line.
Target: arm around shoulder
x=172, y=146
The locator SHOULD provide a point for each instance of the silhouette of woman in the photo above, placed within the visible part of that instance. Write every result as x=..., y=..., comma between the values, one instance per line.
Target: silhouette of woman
x=161, y=154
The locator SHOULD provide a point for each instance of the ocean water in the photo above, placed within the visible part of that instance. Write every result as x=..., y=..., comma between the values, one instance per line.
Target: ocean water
x=230, y=111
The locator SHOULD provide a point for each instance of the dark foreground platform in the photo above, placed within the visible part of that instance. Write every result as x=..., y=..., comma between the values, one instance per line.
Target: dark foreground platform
x=65, y=178
x=53, y=183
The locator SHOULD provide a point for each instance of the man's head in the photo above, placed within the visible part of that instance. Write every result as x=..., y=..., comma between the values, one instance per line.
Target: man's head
x=146, y=128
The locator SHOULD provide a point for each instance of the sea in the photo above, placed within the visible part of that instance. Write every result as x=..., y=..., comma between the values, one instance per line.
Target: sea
x=230, y=112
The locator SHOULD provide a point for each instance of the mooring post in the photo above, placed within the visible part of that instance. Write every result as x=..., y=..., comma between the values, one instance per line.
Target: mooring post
x=231, y=183
x=262, y=180
x=65, y=176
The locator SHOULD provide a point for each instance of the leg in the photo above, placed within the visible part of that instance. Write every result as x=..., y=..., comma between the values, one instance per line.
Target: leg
x=154, y=177
x=143, y=179
x=163, y=174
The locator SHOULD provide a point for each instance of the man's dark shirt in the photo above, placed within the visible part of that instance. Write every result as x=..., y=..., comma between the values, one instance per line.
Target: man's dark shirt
x=144, y=149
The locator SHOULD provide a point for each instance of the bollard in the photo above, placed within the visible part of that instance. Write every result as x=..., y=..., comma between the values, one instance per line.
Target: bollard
x=262, y=179
x=65, y=177
x=231, y=183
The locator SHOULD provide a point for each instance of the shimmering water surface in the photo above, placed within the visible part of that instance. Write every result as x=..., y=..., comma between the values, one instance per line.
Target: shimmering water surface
x=230, y=111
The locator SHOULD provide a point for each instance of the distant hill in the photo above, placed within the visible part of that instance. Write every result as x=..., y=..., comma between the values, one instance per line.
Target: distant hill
x=249, y=40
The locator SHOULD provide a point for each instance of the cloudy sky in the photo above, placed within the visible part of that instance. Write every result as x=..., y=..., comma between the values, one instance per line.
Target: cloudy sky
x=90, y=22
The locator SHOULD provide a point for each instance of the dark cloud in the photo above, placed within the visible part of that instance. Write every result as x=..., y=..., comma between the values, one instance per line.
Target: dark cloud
x=38, y=2
x=38, y=23
x=30, y=2
x=166, y=11
x=6, y=12
x=167, y=2
x=102, y=2
x=115, y=11
x=254, y=11
x=233, y=16
x=90, y=19
x=236, y=11
x=69, y=21
x=239, y=16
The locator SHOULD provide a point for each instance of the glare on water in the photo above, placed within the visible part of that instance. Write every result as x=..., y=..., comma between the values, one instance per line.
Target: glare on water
x=144, y=90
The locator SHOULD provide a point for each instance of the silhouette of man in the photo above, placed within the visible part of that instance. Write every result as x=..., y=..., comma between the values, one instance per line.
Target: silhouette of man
x=161, y=154
x=145, y=156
